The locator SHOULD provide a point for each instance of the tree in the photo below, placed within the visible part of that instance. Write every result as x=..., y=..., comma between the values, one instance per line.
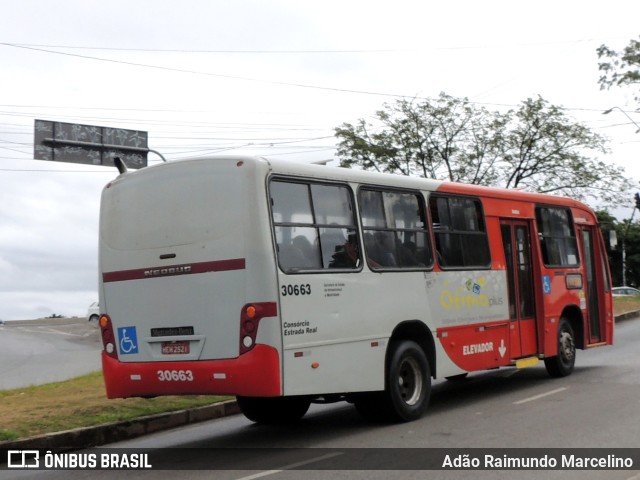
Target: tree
x=620, y=69
x=447, y=138
x=535, y=146
x=547, y=152
x=628, y=238
x=632, y=243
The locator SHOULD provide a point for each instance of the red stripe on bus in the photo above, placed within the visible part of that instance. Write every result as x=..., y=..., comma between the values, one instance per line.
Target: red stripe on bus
x=174, y=270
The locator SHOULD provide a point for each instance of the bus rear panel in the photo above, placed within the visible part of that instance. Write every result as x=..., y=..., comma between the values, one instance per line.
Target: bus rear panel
x=181, y=310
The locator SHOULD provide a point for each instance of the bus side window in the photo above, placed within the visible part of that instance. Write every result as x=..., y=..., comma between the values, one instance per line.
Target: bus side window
x=346, y=254
x=395, y=229
x=460, y=233
x=312, y=223
x=299, y=254
x=387, y=245
x=557, y=237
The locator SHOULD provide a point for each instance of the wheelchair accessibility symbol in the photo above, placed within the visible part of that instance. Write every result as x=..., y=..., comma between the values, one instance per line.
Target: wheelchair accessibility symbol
x=128, y=340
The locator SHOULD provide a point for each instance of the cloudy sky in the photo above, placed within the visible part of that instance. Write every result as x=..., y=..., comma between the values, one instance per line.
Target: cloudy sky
x=272, y=78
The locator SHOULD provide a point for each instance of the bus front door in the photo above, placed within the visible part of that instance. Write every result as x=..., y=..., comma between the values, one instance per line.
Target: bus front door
x=589, y=249
x=516, y=240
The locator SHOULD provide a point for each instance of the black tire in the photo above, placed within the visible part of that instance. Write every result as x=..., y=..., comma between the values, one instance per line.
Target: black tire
x=408, y=382
x=273, y=410
x=562, y=364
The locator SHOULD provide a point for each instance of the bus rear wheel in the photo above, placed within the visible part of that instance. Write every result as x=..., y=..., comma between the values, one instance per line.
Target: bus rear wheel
x=408, y=382
x=562, y=364
x=273, y=410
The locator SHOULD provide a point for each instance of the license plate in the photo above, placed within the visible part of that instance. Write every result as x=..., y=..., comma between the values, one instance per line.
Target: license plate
x=175, y=348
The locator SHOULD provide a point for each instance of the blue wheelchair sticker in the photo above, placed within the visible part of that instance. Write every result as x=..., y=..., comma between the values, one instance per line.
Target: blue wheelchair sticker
x=128, y=339
x=546, y=284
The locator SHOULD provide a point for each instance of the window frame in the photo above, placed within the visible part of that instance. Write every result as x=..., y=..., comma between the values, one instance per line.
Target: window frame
x=542, y=237
x=483, y=233
x=426, y=231
x=354, y=227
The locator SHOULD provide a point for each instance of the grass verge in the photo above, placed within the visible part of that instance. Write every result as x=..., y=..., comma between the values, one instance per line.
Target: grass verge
x=625, y=304
x=80, y=402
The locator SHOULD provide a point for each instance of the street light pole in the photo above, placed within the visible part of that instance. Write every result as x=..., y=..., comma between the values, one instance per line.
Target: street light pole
x=624, y=265
x=607, y=112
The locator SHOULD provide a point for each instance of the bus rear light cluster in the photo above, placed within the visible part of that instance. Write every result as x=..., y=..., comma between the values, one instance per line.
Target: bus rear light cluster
x=108, y=338
x=250, y=317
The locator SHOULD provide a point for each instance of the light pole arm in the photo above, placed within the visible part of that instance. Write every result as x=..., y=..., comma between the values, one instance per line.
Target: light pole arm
x=607, y=112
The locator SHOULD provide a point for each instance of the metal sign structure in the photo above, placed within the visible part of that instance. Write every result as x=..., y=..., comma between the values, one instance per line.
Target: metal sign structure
x=89, y=144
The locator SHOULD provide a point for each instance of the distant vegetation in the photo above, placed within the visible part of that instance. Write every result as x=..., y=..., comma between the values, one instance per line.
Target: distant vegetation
x=625, y=304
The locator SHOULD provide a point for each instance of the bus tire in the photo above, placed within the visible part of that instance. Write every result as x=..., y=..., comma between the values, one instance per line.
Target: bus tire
x=562, y=364
x=273, y=410
x=408, y=382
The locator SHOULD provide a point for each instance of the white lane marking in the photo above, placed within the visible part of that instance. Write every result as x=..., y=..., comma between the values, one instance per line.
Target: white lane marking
x=290, y=467
x=542, y=395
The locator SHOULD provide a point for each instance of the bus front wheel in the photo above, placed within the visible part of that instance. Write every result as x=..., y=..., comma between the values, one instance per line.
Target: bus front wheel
x=408, y=385
x=562, y=364
x=273, y=410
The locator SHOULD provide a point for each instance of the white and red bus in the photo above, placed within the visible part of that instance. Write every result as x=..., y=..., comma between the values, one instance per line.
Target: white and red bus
x=285, y=284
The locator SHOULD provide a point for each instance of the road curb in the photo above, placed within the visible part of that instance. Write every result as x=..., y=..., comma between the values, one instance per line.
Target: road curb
x=116, y=432
x=626, y=316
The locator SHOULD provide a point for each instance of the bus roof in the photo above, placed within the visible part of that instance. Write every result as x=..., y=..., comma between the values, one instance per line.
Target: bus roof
x=402, y=181
x=324, y=172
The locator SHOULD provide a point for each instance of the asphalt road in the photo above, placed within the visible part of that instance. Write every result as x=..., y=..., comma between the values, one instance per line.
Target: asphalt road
x=598, y=406
x=43, y=351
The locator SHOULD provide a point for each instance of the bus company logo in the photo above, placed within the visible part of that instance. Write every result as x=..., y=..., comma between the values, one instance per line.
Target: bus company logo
x=475, y=287
x=468, y=296
x=167, y=271
x=23, y=459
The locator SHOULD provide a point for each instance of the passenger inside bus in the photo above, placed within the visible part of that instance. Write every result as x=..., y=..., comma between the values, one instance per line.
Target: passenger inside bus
x=346, y=256
x=299, y=255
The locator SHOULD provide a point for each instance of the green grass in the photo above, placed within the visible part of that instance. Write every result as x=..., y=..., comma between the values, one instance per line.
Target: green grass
x=625, y=304
x=80, y=402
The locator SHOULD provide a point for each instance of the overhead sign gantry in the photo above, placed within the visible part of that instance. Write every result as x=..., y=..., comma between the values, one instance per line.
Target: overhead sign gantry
x=89, y=144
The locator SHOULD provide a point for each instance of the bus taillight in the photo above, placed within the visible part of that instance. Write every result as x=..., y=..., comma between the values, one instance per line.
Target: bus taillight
x=108, y=339
x=250, y=318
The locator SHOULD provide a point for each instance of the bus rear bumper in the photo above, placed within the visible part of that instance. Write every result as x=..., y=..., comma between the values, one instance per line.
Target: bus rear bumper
x=253, y=374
